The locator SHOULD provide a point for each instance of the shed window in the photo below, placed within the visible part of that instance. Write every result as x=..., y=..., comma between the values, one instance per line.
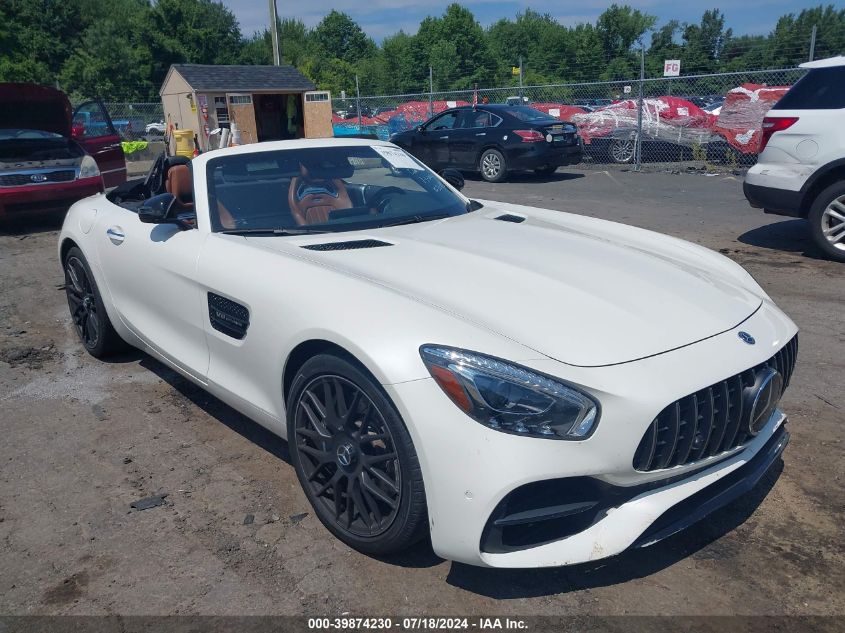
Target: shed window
x=240, y=99
x=221, y=110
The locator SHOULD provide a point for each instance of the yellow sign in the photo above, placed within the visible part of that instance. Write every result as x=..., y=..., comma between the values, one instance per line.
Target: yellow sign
x=515, y=70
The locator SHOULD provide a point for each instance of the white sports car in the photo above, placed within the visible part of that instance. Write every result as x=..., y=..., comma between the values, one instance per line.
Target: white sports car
x=529, y=387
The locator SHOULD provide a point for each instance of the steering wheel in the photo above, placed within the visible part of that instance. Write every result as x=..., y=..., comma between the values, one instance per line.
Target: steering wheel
x=381, y=198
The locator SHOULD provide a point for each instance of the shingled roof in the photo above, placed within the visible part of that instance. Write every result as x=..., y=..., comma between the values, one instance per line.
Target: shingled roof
x=210, y=78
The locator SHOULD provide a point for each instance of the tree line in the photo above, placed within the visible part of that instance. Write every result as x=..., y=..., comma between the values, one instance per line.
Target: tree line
x=120, y=50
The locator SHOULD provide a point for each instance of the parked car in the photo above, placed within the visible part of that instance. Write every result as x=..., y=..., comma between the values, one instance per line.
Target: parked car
x=493, y=140
x=156, y=127
x=46, y=163
x=529, y=387
x=800, y=170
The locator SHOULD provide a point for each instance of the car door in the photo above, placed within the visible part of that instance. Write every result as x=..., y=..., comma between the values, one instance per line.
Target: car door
x=93, y=129
x=436, y=137
x=150, y=273
x=467, y=140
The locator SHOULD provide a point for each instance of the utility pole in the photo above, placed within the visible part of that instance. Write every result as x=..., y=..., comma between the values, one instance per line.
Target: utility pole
x=358, y=102
x=521, y=97
x=430, y=92
x=813, y=43
x=638, y=146
x=274, y=30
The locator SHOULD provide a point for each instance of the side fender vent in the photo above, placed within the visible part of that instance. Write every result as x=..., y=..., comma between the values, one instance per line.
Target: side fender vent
x=507, y=217
x=227, y=316
x=346, y=246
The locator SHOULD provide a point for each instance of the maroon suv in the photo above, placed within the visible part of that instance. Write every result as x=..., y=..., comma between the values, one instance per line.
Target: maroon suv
x=50, y=155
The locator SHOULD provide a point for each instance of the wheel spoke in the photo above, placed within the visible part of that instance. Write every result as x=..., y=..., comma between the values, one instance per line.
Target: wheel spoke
x=383, y=478
x=359, y=504
x=336, y=491
x=350, y=507
x=371, y=503
x=315, y=421
x=374, y=490
x=322, y=457
x=382, y=457
x=92, y=327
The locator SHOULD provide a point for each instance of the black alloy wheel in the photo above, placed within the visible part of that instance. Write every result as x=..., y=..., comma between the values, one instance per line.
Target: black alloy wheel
x=87, y=310
x=354, y=458
x=82, y=302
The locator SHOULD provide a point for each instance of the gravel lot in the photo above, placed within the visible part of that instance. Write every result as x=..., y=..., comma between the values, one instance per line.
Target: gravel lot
x=83, y=439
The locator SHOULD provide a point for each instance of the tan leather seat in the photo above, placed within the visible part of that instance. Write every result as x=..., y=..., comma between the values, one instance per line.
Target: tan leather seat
x=311, y=200
x=179, y=183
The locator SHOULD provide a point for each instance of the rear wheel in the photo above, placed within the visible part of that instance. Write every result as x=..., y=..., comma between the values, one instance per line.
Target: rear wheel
x=87, y=310
x=622, y=150
x=354, y=457
x=827, y=221
x=492, y=166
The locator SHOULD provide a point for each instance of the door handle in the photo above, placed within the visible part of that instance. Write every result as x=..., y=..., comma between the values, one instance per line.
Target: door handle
x=443, y=138
x=116, y=235
x=482, y=134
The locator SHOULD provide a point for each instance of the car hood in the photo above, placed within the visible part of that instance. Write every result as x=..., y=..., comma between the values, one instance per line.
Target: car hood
x=33, y=107
x=582, y=291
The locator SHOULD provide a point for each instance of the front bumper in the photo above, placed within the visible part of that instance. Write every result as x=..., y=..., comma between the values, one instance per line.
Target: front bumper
x=45, y=198
x=468, y=469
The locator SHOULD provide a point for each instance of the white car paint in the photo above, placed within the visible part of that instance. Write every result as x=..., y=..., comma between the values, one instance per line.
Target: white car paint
x=634, y=318
x=793, y=155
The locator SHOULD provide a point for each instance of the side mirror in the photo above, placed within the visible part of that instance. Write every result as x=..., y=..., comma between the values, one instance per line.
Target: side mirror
x=77, y=131
x=421, y=129
x=157, y=209
x=453, y=177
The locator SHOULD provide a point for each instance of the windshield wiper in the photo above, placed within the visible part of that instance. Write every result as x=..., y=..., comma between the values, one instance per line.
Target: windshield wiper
x=268, y=231
x=414, y=219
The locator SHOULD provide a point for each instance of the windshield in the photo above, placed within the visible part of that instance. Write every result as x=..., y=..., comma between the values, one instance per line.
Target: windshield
x=524, y=113
x=326, y=189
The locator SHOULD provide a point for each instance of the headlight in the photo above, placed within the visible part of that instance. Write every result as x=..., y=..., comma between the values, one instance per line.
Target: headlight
x=510, y=398
x=88, y=168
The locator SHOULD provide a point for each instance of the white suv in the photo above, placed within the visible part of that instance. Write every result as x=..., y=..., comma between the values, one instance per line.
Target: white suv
x=800, y=171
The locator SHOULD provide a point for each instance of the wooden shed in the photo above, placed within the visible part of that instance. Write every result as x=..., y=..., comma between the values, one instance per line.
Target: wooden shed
x=266, y=103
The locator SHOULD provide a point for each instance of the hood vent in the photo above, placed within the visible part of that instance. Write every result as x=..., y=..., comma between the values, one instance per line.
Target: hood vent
x=346, y=246
x=507, y=217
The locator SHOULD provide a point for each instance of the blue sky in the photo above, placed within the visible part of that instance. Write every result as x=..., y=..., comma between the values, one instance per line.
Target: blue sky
x=384, y=17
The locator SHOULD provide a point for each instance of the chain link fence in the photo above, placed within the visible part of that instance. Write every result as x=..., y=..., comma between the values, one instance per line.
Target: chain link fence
x=690, y=122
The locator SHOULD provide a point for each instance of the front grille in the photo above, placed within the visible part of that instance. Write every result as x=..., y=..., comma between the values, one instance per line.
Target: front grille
x=707, y=422
x=26, y=178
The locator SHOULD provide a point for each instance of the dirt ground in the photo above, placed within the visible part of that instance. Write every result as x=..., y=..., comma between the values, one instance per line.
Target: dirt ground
x=83, y=439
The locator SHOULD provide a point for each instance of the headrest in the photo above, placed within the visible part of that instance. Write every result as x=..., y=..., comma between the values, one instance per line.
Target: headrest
x=317, y=169
x=179, y=183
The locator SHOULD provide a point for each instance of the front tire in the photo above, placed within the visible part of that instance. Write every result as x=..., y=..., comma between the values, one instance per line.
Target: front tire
x=827, y=221
x=87, y=309
x=493, y=166
x=354, y=457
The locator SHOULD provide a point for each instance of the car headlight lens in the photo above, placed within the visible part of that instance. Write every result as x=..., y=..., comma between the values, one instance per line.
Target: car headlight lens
x=509, y=398
x=88, y=168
